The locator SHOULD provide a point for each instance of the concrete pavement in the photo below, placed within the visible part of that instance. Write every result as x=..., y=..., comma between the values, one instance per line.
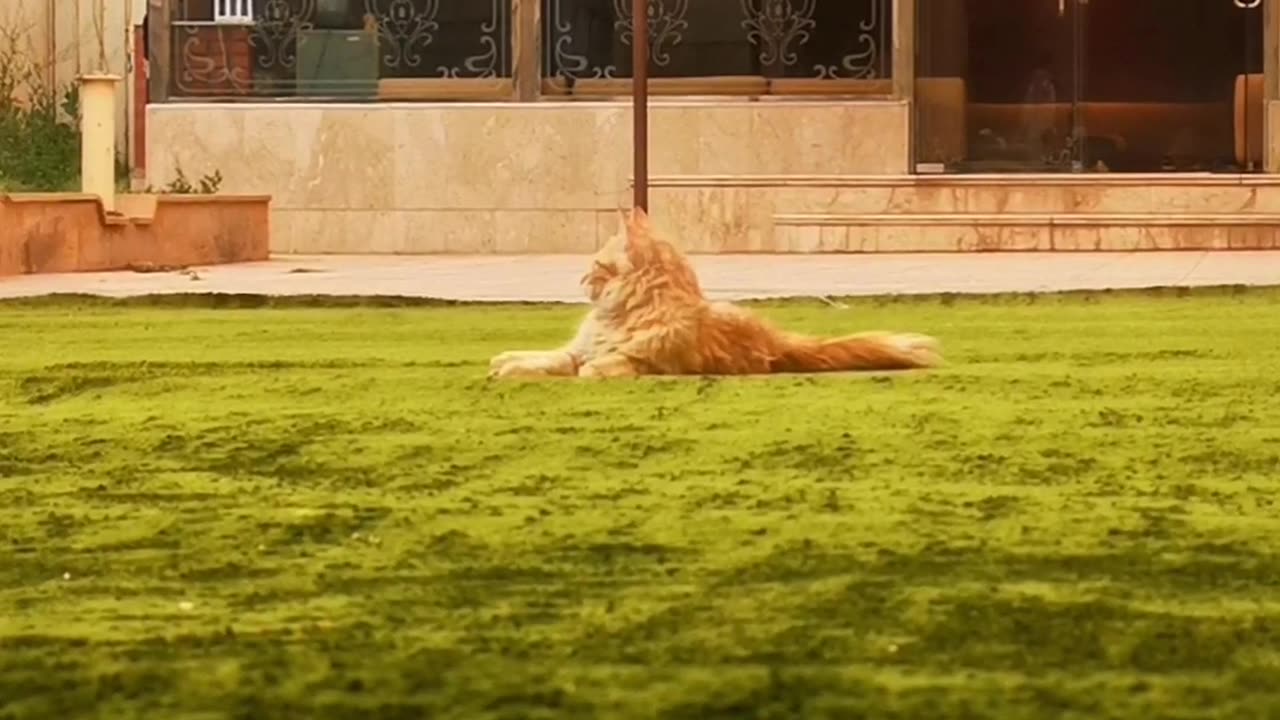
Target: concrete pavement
x=553, y=278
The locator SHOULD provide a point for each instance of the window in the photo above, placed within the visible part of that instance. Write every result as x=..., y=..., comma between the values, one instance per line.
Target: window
x=342, y=49
x=721, y=46
x=232, y=12
x=465, y=49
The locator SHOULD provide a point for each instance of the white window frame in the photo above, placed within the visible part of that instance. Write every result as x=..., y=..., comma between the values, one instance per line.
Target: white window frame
x=233, y=12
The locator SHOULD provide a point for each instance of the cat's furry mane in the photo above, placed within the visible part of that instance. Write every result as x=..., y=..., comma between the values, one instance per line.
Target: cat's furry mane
x=649, y=317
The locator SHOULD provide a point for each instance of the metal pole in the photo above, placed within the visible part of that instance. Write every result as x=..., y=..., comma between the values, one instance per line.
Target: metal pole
x=640, y=99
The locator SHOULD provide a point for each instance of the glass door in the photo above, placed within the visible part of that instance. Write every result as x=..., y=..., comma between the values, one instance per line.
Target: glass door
x=998, y=85
x=1136, y=86
x=1249, y=92
x=1170, y=86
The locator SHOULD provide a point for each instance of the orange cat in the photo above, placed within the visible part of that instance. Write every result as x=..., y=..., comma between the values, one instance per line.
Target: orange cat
x=649, y=317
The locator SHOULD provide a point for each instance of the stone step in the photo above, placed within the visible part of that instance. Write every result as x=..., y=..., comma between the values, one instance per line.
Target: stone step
x=968, y=213
x=979, y=232
x=1183, y=193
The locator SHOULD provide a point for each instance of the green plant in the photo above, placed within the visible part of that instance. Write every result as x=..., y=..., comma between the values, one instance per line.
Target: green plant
x=207, y=184
x=40, y=125
x=39, y=137
x=39, y=118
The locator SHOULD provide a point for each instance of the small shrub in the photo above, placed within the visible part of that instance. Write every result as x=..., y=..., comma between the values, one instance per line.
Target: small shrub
x=40, y=128
x=208, y=184
x=39, y=133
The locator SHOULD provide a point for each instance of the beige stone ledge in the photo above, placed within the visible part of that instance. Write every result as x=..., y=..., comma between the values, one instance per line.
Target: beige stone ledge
x=1024, y=219
x=1008, y=180
x=888, y=197
x=741, y=227
x=508, y=156
x=976, y=236
x=440, y=231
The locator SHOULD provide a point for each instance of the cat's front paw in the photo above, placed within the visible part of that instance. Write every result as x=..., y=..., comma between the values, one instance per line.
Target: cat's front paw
x=513, y=369
x=501, y=359
x=532, y=363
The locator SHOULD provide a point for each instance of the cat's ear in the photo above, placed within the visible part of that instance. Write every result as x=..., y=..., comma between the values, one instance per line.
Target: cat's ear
x=639, y=237
x=624, y=224
x=638, y=219
x=637, y=224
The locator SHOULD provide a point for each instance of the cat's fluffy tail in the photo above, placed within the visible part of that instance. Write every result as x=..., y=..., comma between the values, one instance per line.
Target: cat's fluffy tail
x=867, y=351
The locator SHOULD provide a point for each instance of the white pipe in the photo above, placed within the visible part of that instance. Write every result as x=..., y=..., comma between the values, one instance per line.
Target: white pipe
x=98, y=137
x=51, y=37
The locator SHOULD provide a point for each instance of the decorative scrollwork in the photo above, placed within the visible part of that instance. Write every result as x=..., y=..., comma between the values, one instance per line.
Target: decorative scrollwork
x=207, y=70
x=781, y=27
x=494, y=38
x=775, y=24
x=406, y=26
x=405, y=38
x=276, y=29
x=823, y=39
x=867, y=60
x=562, y=60
x=568, y=22
x=666, y=24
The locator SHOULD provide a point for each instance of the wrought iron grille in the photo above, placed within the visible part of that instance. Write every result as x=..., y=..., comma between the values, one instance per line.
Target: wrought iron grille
x=813, y=39
x=445, y=39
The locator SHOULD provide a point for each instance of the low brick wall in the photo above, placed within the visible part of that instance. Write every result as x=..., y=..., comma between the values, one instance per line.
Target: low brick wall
x=64, y=232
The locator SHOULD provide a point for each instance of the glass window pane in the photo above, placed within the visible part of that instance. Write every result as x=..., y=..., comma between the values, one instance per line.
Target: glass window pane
x=1093, y=86
x=812, y=39
x=338, y=48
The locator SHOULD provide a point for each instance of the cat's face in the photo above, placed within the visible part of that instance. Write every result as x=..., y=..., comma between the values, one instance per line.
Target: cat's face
x=608, y=267
x=634, y=261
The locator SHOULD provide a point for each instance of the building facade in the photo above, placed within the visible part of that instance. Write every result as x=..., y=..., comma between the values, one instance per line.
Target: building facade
x=505, y=126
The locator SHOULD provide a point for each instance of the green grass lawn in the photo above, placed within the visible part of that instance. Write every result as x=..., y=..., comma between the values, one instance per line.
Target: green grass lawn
x=293, y=512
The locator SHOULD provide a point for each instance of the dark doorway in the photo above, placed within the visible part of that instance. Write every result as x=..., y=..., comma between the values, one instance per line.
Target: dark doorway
x=1089, y=86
